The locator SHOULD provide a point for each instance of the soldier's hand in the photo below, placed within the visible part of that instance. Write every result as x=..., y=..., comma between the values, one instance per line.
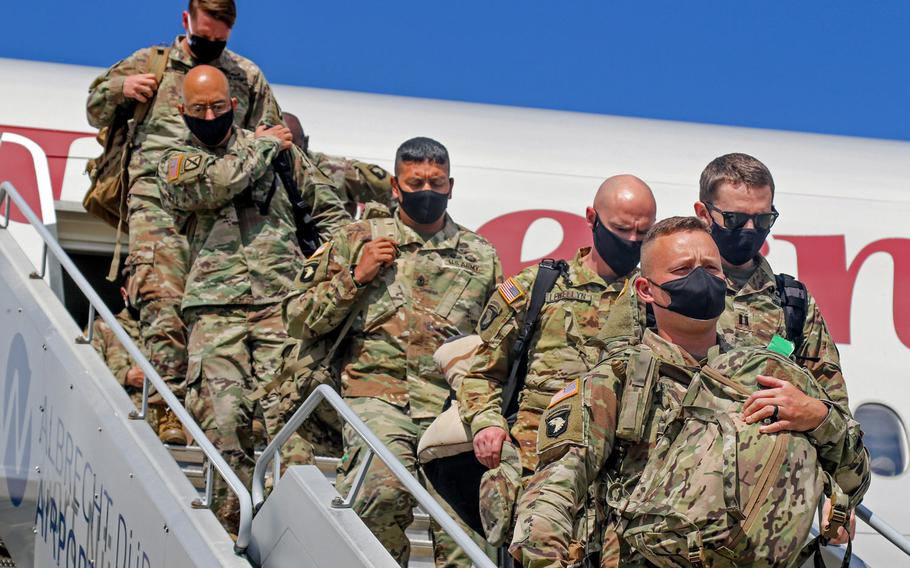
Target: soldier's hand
x=488, y=445
x=842, y=536
x=140, y=87
x=376, y=254
x=796, y=410
x=135, y=377
x=280, y=132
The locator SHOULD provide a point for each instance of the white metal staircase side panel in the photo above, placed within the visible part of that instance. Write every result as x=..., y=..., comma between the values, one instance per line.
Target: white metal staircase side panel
x=81, y=484
x=297, y=526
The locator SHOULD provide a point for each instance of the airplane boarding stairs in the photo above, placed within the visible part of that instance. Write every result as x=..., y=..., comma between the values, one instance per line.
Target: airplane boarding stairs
x=85, y=482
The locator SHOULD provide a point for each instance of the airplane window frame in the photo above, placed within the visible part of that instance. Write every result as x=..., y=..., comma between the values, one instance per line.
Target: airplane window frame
x=883, y=412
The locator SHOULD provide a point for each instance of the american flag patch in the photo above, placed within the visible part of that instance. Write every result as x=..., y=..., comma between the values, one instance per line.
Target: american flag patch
x=173, y=167
x=510, y=291
x=567, y=391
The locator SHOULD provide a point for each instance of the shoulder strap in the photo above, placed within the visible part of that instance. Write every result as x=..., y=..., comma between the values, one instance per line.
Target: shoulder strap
x=795, y=301
x=547, y=274
x=157, y=65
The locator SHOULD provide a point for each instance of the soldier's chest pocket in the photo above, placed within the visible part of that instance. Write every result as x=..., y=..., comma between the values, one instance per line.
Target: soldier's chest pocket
x=462, y=295
x=582, y=322
x=762, y=322
x=382, y=303
x=668, y=398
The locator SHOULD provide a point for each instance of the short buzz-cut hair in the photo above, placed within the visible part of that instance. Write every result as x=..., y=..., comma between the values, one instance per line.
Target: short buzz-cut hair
x=665, y=227
x=420, y=150
x=734, y=169
x=224, y=11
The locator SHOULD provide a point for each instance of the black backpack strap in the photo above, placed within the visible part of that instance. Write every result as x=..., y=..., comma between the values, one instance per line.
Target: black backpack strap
x=794, y=299
x=547, y=274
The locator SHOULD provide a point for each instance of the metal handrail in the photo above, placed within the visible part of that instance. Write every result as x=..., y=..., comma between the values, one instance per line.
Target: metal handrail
x=427, y=502
x=7, y=192
x=881, y=527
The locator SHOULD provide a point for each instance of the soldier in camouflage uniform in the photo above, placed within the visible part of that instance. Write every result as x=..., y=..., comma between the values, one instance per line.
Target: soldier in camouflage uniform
x=357, y=182
x=217, y=185
x=411, y=281
x=158, y=256
x=736, y=201
x=562, y=347
x=682, y=280
x=734, y=189
x=118, y=360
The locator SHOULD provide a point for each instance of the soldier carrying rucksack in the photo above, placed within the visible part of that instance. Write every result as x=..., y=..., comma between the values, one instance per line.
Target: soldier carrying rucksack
x=702, y=454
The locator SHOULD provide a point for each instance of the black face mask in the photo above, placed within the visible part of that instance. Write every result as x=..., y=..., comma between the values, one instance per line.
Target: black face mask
x=424, y=207
x=210, y=132
x=738, y=246
x=622, y=255
x=697, y=295
x=204, y=50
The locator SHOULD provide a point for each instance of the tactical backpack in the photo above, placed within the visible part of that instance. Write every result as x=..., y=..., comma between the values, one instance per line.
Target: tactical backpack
x=106, y=196
x=715, y=492
x=456, y=478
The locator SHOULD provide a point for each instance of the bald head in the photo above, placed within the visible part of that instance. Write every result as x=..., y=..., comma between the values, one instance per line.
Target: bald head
x=628, y=194
x=204, y=84
x=301, y=140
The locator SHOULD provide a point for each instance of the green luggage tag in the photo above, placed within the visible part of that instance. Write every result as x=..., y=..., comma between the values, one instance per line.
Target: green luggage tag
x=781, y=346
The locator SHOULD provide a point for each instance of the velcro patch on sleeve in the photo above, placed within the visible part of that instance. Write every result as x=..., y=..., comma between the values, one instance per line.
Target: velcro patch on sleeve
x=322, y=248
x=567, y=391
x=174, y=166
x=510, y=291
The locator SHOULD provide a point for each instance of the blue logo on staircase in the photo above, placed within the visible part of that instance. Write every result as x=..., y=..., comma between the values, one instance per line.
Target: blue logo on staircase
x=17, y=458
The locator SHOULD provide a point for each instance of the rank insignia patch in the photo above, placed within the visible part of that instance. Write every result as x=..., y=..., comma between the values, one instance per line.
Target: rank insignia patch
x=488, y=316
x=510, y=291
x=557, y=422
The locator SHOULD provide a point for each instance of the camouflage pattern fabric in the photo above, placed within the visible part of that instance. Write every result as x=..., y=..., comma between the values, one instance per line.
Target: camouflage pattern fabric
x=356, y=182
x=383, y=503
x=753, y=315
x=158, y=256
x=239, y=255
x=563, y=348
x=158, y=263
x=118, y=360
x=578, y=436
x=233, y=350
x=434, y=290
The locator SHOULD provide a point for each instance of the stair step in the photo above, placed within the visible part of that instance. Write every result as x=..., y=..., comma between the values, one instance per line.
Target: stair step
x=192, y=462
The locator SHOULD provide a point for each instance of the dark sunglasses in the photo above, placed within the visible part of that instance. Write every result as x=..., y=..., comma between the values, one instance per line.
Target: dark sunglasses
x=737, y=220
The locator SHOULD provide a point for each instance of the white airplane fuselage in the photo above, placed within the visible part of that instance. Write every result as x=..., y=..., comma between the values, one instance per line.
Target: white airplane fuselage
x=523, y=180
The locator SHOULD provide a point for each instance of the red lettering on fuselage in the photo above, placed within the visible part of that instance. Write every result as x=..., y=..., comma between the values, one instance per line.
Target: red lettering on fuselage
x=821, y=263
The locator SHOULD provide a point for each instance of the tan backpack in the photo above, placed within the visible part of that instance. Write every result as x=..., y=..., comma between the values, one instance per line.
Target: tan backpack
x=106, y=197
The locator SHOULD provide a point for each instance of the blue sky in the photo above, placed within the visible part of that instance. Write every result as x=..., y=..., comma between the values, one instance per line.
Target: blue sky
x=833, y=67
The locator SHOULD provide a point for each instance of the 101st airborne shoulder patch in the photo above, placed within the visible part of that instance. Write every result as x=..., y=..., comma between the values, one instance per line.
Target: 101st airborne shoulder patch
x=488, y=316
x=510, y=291
x=557, y=421
x=309, y=271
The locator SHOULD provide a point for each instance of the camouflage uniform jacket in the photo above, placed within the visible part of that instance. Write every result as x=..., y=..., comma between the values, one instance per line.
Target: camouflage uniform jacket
x=435, y=290
x=109, y=347
x=562, y=348
x=238, y=255
x=163, y=126
x=753, y=315
x=357, y=182
x=580, y=450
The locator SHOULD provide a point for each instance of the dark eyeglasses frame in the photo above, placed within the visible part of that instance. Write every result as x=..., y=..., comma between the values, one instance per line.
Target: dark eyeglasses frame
x=738, y=219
